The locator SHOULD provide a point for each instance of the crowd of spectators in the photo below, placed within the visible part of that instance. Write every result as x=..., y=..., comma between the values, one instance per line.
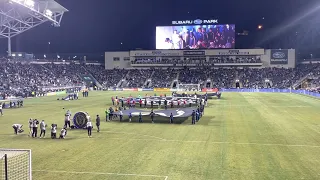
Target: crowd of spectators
x=107, y=78
x=22, y=79
x=162, y=78
x=136, y=78
x=198, y=60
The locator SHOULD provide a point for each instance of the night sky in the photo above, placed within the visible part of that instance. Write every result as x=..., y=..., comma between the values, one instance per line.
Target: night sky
x=96, y=26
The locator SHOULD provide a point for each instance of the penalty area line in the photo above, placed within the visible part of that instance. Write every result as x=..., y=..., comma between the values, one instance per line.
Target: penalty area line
x=104, y=173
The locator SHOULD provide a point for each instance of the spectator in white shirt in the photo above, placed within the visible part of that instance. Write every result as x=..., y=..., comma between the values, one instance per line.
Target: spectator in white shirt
x=89, y=127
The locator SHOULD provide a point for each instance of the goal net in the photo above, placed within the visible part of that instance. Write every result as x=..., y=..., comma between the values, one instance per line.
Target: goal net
x=15, y=164
x=189, y=87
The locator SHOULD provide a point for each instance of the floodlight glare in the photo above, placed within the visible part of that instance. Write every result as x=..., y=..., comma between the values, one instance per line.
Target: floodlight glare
x=19, y=55
x=13, y=55
x=18, y=1
x=29, y=3
x=49, y=13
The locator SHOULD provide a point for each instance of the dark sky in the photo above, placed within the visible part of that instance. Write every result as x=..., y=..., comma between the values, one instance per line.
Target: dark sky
x=95, y=26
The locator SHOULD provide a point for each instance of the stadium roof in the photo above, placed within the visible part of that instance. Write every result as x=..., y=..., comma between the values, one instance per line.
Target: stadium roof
x=18, y=16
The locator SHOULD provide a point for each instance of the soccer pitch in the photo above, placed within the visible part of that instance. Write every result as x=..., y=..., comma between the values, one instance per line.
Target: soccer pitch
x=241, y=136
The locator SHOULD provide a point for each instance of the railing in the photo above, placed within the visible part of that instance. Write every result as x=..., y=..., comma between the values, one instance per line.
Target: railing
x=298, y=83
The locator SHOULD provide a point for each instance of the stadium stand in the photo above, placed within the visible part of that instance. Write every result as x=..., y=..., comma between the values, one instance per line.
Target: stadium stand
x=163, y=78
x=212, y=60
x=136, y=78
x=21, y=79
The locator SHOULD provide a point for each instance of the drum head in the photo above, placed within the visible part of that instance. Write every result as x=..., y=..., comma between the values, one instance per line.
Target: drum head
x=80, y=120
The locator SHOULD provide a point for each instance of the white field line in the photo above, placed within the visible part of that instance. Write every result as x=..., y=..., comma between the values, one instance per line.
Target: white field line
x=103, y=173
x=217, y=142
x=251, y=106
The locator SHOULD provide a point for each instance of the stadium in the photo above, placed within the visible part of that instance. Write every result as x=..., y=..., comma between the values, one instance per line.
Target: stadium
x=194, y=107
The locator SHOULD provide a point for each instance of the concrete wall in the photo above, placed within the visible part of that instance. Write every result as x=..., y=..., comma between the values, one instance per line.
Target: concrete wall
x=266, y=59
x=110, y=63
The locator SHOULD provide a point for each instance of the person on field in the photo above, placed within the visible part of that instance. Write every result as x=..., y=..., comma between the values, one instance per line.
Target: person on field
x=140, y=117
x=17, y=128
x=43, y=129
x=53, y=131
x=30, y=126
x=1, y=109
x=67, y=120
x=63, y=133
x=152, y=114
x=89, y=128
x=120, y=115
x=35, y=128
x=130, y=117
x=98, y=123
x=193, y=117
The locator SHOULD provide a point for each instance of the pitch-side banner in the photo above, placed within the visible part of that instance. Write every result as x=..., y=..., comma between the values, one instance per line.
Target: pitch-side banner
x=162, y=89
x=185, y=112
x=130, y=89
x=210, y=90
x=51, y=94
x=279, y=56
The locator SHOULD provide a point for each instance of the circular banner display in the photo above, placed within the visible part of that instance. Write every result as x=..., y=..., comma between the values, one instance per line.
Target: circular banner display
x=80, y=120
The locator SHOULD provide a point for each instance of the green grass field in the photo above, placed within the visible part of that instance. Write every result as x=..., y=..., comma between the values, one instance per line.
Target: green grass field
x=242, y=136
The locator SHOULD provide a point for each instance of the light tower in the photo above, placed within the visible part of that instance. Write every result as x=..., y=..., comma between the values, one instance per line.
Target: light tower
x=18, y=16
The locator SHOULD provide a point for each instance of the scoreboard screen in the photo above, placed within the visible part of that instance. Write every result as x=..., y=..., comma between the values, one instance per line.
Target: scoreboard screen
x=218, y=36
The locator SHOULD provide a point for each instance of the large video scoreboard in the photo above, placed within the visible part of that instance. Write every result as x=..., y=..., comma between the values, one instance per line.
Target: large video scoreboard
x=196, y=34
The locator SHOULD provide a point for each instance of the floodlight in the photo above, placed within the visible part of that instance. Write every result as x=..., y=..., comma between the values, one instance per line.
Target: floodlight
x=19, y=55
x=13, y=55
x=49, y=13
x=29, y=3
x=18, y=16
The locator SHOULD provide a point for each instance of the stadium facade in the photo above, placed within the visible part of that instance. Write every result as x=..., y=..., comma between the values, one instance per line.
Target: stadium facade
x=282, y=58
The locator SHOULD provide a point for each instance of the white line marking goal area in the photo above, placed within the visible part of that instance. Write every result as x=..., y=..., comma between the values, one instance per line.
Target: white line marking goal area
x=105, y=173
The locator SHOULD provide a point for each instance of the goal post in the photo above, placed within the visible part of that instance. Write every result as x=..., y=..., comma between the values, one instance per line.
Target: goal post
x=15, y=164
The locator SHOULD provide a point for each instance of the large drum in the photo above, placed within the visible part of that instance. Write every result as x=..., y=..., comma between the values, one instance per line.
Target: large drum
x=80, y=120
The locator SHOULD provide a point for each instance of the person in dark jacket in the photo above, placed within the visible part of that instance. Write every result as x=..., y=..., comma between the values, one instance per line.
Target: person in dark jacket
x=193, y=117
x=152, y=116
x=140, y=118
x=98, y=123
x=165, y=104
